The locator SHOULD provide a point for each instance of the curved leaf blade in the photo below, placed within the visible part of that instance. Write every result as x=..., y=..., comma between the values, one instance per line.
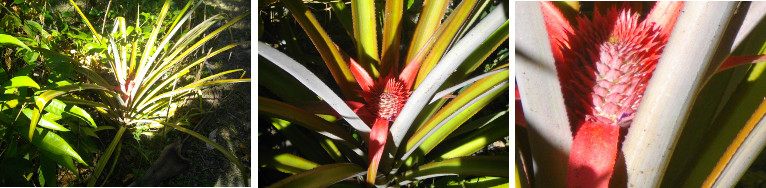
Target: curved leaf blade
x=314, y=84
x=306, y=119
x=289, y=163
x=43, y=99
x=365, y=33
x=45, y=121
x=475, y=165
x=330, y=53
x=10, y=40
x=321, y=176
x=441, y=71
x=22, y=81
x=473, y=142
x=53, y=143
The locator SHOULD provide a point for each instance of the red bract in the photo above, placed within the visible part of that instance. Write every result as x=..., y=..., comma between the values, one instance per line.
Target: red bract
x=603, y=66
x=384, y=99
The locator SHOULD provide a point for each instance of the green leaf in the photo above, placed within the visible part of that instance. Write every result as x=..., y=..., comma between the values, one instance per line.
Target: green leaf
x=422, y=95
x=428, y=21
x=10, y=40
x=60, y=108
x=289, y=163
x=53, y=143
x=365, y=33
x=22, y=81
x=63, y=160
x=47, y=96
x=30, y=57
x=473, y=142
x=10, y=22
x=38, y=28
x=305, y=144
x=473, y=166
x=85, y=19
x=392, y=29
x=322, y=176
x=329, y=51
x=45, y=121
x=459, y=110
x=443, y=36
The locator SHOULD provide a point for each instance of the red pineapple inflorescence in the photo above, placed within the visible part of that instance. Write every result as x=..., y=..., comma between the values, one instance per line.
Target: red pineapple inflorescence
x=384, y=99
x=604, y=66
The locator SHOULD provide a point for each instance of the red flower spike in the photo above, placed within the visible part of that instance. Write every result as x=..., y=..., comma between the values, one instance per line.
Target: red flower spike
x=596, y=145
x=383, y=101
x=604, y=65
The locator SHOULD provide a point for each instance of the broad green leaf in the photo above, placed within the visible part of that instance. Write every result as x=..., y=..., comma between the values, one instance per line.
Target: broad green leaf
x=60, y=108
x=38, y=28
x=22, y=81
x=321, y=176
x=336, y=63
x=45, y=121
x=53, y=143
x=289, y=163
x=30, y=57
x=474, y=166
x=47, y=96
x=10, y=40
x=365, y=33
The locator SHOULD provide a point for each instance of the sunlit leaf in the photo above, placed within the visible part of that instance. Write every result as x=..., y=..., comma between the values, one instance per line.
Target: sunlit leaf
x=321, y=176
x=22, y=81
x=10, y=40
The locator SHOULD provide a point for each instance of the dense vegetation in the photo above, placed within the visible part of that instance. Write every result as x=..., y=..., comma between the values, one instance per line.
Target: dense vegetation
x=92, y=91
